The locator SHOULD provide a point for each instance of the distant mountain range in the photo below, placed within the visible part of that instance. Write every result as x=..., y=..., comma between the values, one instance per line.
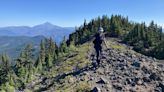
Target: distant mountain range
x=46, y=29
x=14, y=38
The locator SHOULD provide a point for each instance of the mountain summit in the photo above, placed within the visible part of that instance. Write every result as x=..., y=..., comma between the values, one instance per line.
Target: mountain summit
x=47, y=25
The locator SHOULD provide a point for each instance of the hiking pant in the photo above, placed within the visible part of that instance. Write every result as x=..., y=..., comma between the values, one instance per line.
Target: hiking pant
x=98, y=52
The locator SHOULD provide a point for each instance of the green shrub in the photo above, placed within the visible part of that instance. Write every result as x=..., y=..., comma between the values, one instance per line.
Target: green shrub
x=8, y=88
x=27, y=90
x=83, y=87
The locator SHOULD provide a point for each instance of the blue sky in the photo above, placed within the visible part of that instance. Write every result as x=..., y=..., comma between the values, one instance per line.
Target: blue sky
x=73, y=12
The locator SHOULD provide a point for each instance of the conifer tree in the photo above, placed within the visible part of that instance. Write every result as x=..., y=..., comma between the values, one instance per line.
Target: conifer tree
x=41, y=58
x=138, y=35
x=5, y=68
x=50, y=50
x=50, y=60
x=24, y=64
x=63, y=46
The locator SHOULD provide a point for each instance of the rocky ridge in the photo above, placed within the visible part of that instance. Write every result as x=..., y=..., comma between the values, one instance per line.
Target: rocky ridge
x=121, y=70
x=124, y=70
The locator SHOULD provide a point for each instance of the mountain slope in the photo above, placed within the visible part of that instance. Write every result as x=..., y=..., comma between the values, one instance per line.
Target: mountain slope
x=121, y=69
x=13, y=45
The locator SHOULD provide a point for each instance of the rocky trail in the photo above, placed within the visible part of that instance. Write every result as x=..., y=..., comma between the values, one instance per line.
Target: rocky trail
x=121, y=70
x=127, y=72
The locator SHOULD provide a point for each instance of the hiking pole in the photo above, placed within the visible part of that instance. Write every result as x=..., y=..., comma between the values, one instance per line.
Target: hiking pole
x=104, y=40
x=105, y=43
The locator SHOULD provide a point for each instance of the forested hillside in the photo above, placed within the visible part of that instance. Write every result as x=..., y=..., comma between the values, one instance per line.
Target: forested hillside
x=15, y=77
x=146, y=39
x=13, y=45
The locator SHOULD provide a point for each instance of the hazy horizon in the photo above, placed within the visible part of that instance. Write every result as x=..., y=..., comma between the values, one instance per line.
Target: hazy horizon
x=34, y=25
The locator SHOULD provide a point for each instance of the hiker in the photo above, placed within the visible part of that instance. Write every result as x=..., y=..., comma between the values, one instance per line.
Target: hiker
x=97, y=44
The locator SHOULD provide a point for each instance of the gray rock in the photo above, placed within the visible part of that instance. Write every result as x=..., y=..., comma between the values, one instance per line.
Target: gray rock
x=128, y=80
x=154, y=77
x=102, y=81
x=132, y=90
x=122, y=54
x=127, y=73
x=139, y=82
x=133, y=56
x=95, y=89
x=161, y=85
x=143, y=60
x=146, y=79
x=100, y=71
x=136, y=64
x=157, y=89
x=133, y=84
x=160, y=65
x=146, y=70
x=113, y=78
x=117, y=86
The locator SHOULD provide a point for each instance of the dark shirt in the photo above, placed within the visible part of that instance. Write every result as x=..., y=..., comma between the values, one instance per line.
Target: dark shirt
x=98, y=41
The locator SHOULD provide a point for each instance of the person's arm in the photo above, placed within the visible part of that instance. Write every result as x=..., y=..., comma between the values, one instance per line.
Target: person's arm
x=92, y=38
